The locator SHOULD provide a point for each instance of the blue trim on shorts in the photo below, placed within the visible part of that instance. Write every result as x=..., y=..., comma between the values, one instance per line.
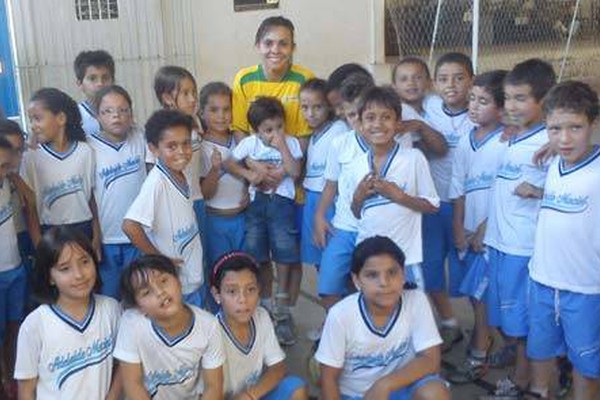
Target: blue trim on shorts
x=285, y=389
x=408, y=392
x=565, y=323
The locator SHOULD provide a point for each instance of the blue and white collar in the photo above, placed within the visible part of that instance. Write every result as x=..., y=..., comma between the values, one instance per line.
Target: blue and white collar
x=79, y=326
x=475, y=144
x=169, y=340
x=321, y=132
x=563, y=169
x=451, y=113
x=60, y=155
x=527, y=134
x=116, y=146
x=388, y=161
x=387, y=328
x=245, y=349
x=183, y=189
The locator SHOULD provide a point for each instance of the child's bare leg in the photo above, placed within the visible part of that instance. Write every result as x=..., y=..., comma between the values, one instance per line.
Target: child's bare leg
x=481, y=333
x=522, y=375
x=266, y=280
x=441, y=301
x=585, y=388
x=282, y=296
x=543, y=378
x=294, y=282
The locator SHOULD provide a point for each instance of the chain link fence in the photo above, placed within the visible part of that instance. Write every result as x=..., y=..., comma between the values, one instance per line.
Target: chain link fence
x=563, y=32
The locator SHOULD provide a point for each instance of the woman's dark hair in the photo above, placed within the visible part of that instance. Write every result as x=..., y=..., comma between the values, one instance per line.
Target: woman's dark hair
x=233, y=261
x=47, y=254
x=375, y=246
x=272, y=22
x=135, y=275
x=58, y=102
x=116, y=89
x=168, y=80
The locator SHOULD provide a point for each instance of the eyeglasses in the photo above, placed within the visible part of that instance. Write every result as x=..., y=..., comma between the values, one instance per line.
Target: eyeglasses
x=115, y=111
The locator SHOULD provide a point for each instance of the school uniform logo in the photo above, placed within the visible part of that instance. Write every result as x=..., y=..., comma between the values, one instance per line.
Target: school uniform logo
x=110, y=174
x=184, y=236
x=453, y=139
x=565, y=203
x=381, y=360
x=5, y=213
x=61, y=189
x=482, y=181
x=510, y=171
x=155, y=379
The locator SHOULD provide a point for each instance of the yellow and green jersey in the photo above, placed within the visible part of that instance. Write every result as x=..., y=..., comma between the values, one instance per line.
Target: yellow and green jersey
x=251, y=82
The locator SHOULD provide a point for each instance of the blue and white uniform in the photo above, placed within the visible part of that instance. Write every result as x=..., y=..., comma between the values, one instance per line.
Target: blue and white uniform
x=172, y=365
x=510, y=231
x=69, y=357
x=319, y=147
x=365, y=352
x=407, y=169
x=334, y=270
x=246, y=363
x=564, y=297
x=473, y=174
x=89, y=119
x=163, y=206
x=62, y=182
x=120, y=172
x=438, y=240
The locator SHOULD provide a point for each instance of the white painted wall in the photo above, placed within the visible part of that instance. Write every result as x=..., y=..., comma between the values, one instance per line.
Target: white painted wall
x=205, y=36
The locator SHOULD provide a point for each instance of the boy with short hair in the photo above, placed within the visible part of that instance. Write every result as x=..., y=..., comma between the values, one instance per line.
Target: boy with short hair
x=448, y=114
x=382, y=342
x=515, y=202
x=564, y=292
x=393, y=186
x=94, y=70
x=270, y=221
x=161, y=219
x=339, y=238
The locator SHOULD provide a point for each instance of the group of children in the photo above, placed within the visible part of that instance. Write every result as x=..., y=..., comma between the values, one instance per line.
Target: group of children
x=483, y=189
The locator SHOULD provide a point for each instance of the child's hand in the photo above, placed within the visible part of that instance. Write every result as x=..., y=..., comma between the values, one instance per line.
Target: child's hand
x=321, y=229
x=274, y=175
x=460, y=237
x=386, y=188
x=543, y=155
x=411, y=125
x=477, y=240
x=526, y=190
x=278, y=141
x=255, y=178
x=365, y=188
x=215, y=159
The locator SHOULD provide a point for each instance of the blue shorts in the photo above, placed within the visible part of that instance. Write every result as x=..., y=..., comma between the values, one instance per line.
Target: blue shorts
x=13, y=284
x=285, y=389
x=563, y=322
x=311, y=254
x=506, y=299
x=438, y=245
x=84, y=227
x=271, y=229
x=413, y=273
x=408, y=392
x=223, y=234
x=334, y=272
x=27, y=252
x=115, y=258
x=200, y=211
x=476, y=280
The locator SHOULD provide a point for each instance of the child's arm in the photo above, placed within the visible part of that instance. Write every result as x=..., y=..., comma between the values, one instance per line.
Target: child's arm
x=425, y=363
x=330, y=389
x=116, y=386
x=321, y=226
x=135, y=232
x=27, y=388
x=432, y=142
x=213, y=383
x=210, y=182
x=132, y=376
x=364, y=189
x=291, y=164
x=96, y=235
x=28, y=201
x=236, y=168
x=267, y=382
x=394, y=193
x=458, y=228
x=526, y=190
x=477, y=240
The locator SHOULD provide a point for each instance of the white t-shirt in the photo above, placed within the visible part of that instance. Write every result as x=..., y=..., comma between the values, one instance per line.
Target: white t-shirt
x=62, y=182
x=120, y=172
x=407, y=169
x=192, y=171
x=453, y=126
x=70, y=358
x=364, y=352
x=89, y=121
x=9, y=255
x=319, y=146
x=344, y=150
x=172, y=365
x=253, y=148
x=244, y=365
x=165, y=209
x=512, y=219
x=231, y=191
x=473, y=174
x=567, y=239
